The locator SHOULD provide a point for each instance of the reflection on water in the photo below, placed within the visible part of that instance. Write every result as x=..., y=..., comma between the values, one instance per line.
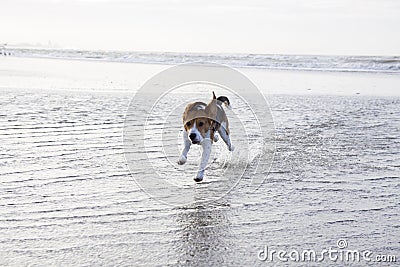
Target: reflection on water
x=205, y=235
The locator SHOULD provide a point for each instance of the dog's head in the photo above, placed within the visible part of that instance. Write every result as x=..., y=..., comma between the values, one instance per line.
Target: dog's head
x=198, y=120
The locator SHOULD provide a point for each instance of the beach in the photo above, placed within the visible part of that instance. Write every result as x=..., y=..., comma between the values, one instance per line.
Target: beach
x=67, y=196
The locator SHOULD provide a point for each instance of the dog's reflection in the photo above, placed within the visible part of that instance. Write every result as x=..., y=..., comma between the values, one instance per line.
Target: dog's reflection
x=205, y=237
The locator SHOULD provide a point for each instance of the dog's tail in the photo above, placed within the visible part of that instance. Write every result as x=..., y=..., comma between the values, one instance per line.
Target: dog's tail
x=223, y=100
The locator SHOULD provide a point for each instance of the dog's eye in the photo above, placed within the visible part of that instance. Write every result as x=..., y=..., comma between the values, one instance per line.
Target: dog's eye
x=201, y=124
x=188, y=123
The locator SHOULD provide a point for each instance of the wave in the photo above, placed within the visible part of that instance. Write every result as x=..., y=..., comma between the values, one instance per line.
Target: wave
x=389, y=64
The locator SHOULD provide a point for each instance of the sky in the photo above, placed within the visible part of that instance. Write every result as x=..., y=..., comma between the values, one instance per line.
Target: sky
x=319, y=27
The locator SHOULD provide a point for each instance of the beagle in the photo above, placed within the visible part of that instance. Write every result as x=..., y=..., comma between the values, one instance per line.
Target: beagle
x=201, y=122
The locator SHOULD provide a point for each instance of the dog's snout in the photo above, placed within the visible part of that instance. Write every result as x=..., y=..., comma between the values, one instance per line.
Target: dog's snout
x=192, y=136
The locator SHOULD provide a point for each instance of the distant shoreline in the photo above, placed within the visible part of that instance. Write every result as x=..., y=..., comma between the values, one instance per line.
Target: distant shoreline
x=373, y=64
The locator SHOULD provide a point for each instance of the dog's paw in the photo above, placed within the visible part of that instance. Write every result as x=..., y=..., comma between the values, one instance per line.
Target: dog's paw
x=232, y=148
x=216, y=137
x=182, y=160
x=199, y=176
x=198, y=179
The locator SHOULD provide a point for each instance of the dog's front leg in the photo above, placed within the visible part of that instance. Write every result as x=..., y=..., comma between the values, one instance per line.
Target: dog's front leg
x=205, y=156
x=186, y=142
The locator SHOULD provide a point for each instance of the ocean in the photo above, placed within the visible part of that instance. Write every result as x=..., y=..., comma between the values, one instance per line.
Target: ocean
x=388, y=64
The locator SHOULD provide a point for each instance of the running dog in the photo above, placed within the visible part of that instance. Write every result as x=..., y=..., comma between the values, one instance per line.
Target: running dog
x=201, y=122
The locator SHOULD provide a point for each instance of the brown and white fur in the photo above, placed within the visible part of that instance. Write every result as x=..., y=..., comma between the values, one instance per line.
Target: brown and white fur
x=201, y=122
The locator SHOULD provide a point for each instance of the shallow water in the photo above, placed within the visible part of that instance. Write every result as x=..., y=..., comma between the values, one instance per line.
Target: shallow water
x=67, y=198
